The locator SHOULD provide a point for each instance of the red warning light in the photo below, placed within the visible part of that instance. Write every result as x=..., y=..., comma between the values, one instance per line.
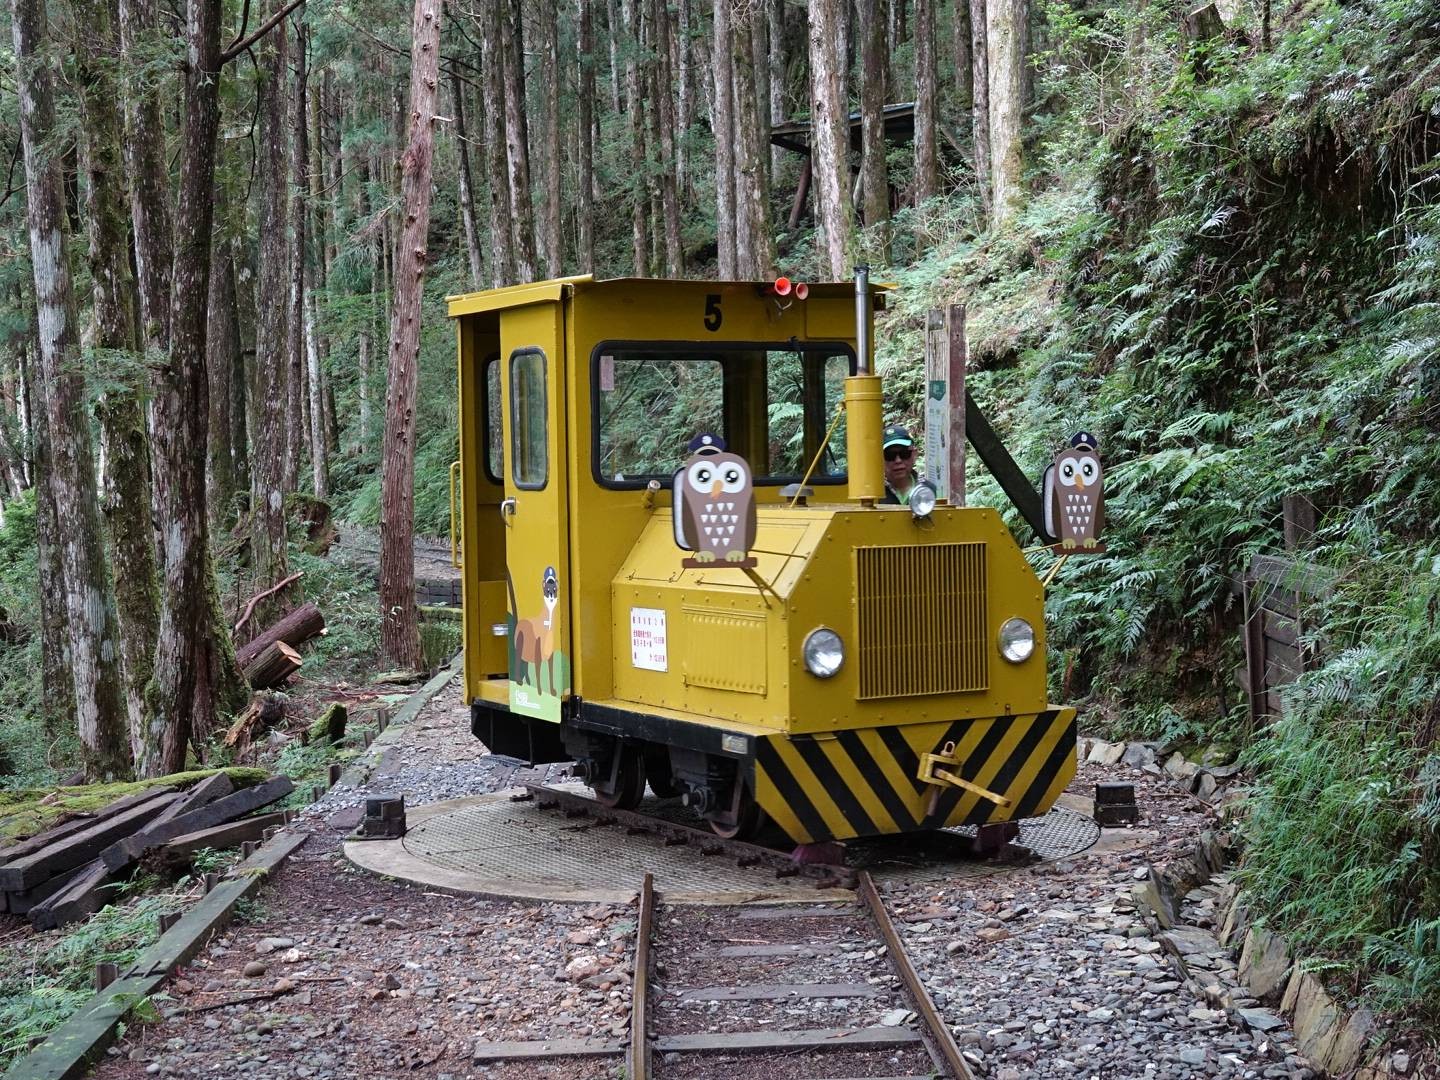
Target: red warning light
x=781, y=286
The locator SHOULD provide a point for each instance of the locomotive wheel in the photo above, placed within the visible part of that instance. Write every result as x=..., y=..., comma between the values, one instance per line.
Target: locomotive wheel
x=629, y=784
x=659, y=774
x=748, y=819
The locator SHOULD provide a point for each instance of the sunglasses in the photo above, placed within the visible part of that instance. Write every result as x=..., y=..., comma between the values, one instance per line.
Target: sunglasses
x=897, y=453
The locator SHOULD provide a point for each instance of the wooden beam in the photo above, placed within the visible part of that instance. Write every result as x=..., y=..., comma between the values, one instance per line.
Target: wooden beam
x=30, y=870
x=223, y=836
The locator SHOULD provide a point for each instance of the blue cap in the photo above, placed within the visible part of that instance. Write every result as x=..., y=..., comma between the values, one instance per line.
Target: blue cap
x=895, y=435
x=705, y=443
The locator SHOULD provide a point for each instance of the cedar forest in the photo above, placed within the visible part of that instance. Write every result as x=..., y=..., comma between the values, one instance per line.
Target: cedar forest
x=1208, y=234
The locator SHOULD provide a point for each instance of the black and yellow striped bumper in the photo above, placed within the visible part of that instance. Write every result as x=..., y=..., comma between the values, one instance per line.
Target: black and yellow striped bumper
x=867, y=782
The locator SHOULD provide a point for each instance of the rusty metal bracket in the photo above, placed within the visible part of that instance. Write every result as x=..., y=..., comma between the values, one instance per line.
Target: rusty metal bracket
x=933, y=771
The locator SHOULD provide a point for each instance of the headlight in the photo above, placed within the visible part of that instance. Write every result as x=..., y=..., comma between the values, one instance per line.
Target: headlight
x=824, y=653
x=922, y=500
x=1017, y=640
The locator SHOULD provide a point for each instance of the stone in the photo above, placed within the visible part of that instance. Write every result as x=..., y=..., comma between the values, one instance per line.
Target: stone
x=1203, y=784
x=1179, y=768
x=990, y=935
x=1316, y=1019
x=273, y=944
x=1261, y=1020
x=1138, y=755
x=896, y=1018
x=582, y=967
x=1192, y=1055
x=370, y=920
x=1105, y=753
x=1400, y=1062
x=388, y=981
x=254, y=969
x=1349, y=1042
x=1190, y=940
x=1264, y=962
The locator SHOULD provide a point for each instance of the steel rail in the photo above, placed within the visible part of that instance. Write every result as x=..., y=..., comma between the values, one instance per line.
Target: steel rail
x=826, y=875
x=640, y=984
x=939, y=1031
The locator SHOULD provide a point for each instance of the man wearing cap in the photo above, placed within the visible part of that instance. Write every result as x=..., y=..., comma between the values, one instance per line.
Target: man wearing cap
x=900, y=477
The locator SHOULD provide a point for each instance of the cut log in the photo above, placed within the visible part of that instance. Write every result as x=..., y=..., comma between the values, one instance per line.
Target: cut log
x=30, y=870
x=126, y=850
x=296, y=628
x=20, y=903
x=222, y=836
x=273, y=666
x=77, y=824
x=86, y=894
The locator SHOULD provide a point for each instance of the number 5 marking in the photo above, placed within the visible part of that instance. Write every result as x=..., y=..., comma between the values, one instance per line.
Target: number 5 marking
x=712, y=312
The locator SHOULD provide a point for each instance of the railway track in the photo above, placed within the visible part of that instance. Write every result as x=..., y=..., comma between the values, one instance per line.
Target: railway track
x=765, y=965
x=789, y=943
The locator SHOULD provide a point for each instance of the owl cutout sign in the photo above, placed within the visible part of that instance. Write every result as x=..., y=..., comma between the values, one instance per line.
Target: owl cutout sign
x=1075, y=497
x=714, y=506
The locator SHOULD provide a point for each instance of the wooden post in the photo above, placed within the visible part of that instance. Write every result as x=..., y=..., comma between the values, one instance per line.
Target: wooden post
x=959, y=361
x=1299, y=515
x=105, y=974
x=802, y=192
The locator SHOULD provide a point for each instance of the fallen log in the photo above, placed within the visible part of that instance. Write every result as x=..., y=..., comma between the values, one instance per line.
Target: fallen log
x=30, y=870
x=129, y=848
x=77, y=824
x=330, y=724
x=250, y=607
x=296, y=628
x=264, y=711
x=272, y=667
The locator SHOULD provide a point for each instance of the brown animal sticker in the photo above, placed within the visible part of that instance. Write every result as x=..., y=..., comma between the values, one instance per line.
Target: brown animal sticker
x=1075, y=496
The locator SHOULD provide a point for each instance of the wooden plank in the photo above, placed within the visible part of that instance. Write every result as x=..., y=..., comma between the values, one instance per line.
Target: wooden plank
x=773, y=950
x=213, y=787
x=129, y=848
x=539, y=1049
x=810, y=911
x=20, y=903
x=223, y=836
x=72, y=851
x=1279, y=628
x=86, y=894
x=67, y=1051
x=1282, y=664
x=779, y=991
x=813, y=1039
x=77, y=824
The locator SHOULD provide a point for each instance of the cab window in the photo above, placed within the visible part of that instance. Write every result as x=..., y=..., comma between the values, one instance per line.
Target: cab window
x=529, y=432
x=490, y=418
x=771, y=403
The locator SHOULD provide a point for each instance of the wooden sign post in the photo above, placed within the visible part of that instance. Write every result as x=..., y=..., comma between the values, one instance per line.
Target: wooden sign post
x=946, y=354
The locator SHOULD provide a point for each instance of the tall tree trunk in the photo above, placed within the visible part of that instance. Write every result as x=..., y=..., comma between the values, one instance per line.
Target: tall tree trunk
x=99, y=695
x=502, y=259
x=222, y=348
x=927, y=179
x=297, y=419
x=830, y=142
x=634, y=103
x=363, y=375
x=193, y=640
x=723, y=126
x=242, y=274
x=755, y=240
x=685, y=97
x=778, y=61
x=467, y=183
x=149, y=177
x=123, y=438
x=874, y=181
x=272, y=368
x=584, y=146
x=1005, y=45
x=980, y=109
x=663, y=114
x=57, y=685
x=613, y=31
x=319, y=437
x=517, y=143
x=964, y=73
x=550, y=167
x=399, y=628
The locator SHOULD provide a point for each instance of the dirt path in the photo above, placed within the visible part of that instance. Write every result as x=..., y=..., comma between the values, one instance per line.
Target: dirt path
x=1043, y=972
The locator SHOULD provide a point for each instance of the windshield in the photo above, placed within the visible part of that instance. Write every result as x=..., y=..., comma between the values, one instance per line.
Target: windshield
x=772, y=404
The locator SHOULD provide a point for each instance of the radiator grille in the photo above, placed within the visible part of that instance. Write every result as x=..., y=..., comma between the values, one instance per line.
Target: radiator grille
x=922, y=624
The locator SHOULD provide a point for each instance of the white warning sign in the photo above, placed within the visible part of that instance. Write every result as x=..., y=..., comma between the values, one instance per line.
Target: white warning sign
x=647, y=639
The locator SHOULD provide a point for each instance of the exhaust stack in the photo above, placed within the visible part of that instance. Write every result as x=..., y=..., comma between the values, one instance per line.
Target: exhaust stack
x=863, y=401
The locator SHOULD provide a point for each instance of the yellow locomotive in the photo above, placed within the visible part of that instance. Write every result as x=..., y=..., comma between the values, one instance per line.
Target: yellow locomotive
x=845, y=669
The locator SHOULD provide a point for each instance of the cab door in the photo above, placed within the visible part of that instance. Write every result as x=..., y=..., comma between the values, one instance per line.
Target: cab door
x=532, y=355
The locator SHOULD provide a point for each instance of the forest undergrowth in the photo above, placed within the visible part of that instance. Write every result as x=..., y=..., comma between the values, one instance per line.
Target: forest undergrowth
x=1228, y=272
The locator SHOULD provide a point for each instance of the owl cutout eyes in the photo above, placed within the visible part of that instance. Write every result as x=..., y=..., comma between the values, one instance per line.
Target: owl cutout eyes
x=1087, y=470
x=703, y=477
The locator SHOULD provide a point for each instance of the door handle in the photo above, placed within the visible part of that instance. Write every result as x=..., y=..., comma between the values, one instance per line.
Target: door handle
x=507, y=509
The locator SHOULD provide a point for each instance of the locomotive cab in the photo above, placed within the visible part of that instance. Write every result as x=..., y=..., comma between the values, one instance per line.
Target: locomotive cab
x=857, y=669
